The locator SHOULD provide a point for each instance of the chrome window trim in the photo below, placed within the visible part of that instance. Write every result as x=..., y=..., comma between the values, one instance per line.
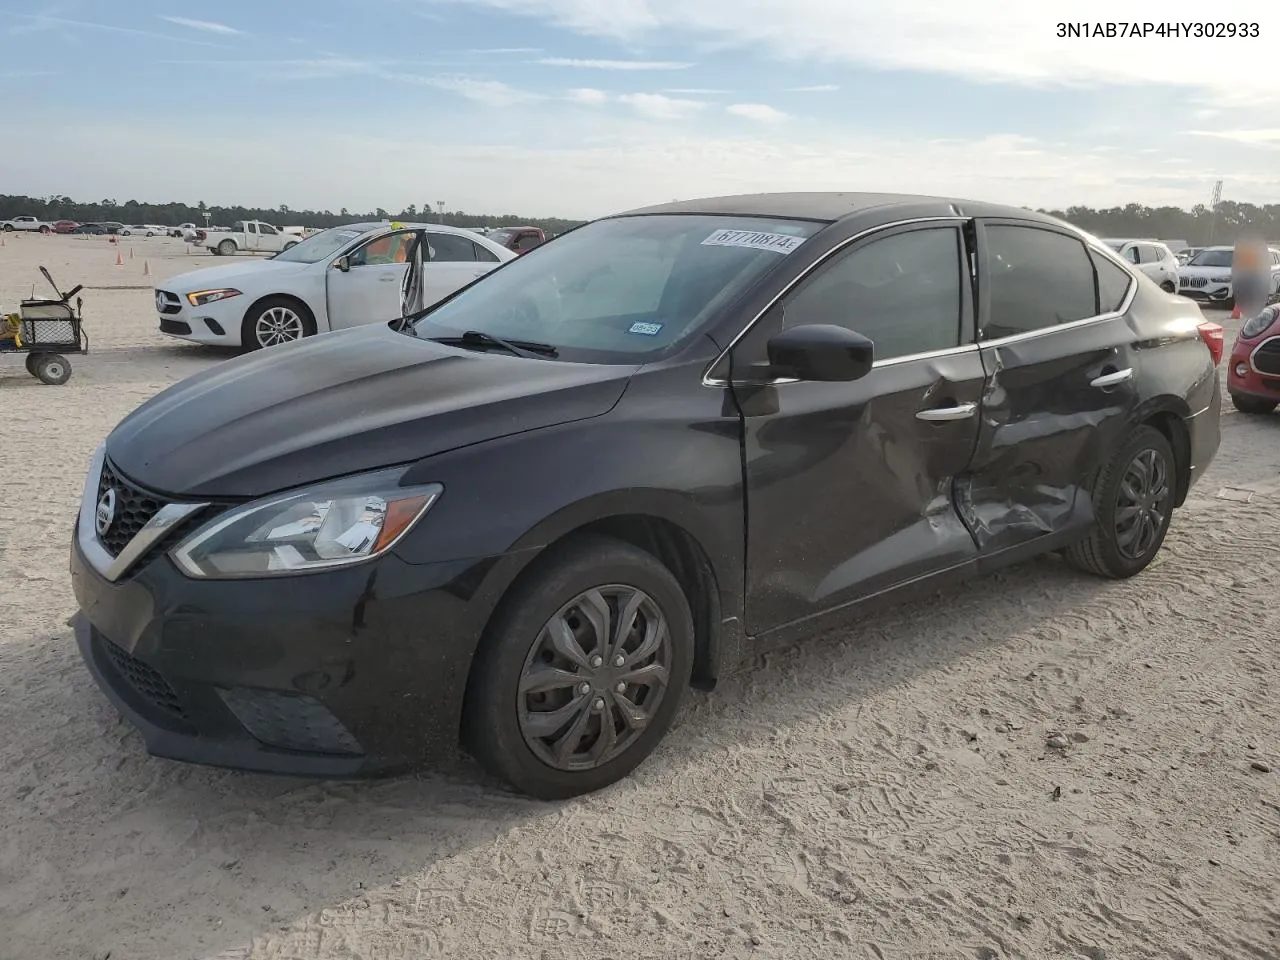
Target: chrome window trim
x=1088, y=240
x=1254, y=352
x=109, y=567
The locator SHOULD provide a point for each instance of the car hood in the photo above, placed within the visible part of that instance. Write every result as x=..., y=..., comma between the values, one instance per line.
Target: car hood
x=1187, y=271
x=213, y=277
x=341, y=403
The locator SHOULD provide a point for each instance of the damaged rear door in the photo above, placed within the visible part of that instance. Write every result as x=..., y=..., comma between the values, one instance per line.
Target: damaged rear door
x=1061, y=389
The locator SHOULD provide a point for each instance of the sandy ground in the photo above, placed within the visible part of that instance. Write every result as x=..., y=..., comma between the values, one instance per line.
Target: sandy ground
x=882, y=794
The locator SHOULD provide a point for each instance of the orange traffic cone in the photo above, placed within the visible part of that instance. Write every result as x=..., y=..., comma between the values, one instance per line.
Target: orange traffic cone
x=146, y=268
x=119, y=259
x=1235, y=314
x=131, y=253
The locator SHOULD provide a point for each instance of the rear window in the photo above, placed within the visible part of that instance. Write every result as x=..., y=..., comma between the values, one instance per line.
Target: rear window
x=1113, y=283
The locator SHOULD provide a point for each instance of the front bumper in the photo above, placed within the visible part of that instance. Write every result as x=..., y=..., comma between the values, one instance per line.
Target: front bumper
x=1254, y=368
x=337, y=674
x=217, y=324
x=1209, y=292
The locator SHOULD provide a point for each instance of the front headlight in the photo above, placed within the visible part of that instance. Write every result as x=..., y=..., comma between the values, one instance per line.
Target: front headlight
x=1220, y=280
x=333, y=524
x=201, y=297
x=1257, y=325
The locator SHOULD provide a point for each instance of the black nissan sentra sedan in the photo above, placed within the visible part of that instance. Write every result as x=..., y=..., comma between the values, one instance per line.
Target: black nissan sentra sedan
x=530, y=517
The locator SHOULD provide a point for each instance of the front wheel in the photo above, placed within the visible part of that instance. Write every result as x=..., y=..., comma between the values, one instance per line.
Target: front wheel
x=1168, y=287
x=581, y=673
x=1246, y=404
x=1132, y=507
x=274, y=321
x=44, y=230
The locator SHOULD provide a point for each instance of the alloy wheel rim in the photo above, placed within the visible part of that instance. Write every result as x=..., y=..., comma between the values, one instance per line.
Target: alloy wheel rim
x=278, y=325
x=595, y=678
x=1142, y=504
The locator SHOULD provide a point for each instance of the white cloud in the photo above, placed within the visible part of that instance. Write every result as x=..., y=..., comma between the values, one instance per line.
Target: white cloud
x=207, y=26
x=495, y=51
x=818, y=88
x=696, y=91
x=986, y=40
x=760, y=112
x=656, y=106
x=45, y=23
x=1268, y=139
x=491, y=93
x=613, y=64
x=587, y=95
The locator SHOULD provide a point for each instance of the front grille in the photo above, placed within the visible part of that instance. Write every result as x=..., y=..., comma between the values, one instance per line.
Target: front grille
x=1266, y=359
x=133, y=508
x=289, y=721
x=1195, y=282
x=167, y=302
x=145, y=681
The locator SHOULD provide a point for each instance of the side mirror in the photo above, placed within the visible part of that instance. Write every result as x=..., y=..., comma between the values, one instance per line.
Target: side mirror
x=821, y=352
x=343, y=264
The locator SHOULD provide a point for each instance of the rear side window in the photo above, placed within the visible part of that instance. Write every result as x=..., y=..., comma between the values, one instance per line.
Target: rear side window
x=1036, y=279
x=1113, y=283
x=485, y=255
x=450, y=248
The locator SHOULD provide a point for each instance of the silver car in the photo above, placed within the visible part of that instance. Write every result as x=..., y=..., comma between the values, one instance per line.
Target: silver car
x=1151, y=257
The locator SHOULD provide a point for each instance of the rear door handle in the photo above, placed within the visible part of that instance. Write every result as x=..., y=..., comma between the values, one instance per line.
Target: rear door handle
x=961, y=411
x=1112, y=379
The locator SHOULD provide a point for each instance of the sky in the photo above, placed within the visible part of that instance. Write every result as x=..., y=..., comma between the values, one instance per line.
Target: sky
x=580, y=108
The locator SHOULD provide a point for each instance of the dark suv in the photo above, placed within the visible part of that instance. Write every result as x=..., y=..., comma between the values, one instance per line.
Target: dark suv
x=534, y=514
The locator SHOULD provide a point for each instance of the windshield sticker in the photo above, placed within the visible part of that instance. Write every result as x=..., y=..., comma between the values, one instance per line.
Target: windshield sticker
x=647, y=329
x=777, y=242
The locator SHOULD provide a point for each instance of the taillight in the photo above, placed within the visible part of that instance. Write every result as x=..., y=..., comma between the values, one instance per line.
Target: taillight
x=1211, y=334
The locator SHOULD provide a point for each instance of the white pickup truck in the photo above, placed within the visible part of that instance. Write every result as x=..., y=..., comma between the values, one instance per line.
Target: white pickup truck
x=251, y=236
x=25, y=223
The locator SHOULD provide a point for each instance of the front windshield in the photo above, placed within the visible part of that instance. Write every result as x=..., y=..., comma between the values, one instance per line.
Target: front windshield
x=621, y=290
x=501, y=236
x=319, y=246
x=1211, y=258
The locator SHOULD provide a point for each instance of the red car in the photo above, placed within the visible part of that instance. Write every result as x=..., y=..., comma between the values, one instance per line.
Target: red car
x=1253, y=372
x=65, y=226
x=519, y=239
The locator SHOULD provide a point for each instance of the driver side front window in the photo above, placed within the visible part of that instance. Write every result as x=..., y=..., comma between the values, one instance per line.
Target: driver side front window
x=902, y=292
x=392, y=248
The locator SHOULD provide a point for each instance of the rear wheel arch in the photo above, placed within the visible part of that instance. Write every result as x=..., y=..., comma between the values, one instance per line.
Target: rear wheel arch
x=1174, y=428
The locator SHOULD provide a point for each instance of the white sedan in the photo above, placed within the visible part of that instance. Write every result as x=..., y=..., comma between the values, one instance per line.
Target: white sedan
x=341, y=277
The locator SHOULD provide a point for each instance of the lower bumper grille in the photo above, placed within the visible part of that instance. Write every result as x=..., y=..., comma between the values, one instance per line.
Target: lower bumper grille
x=289, y=721
x=1266, y=359
x=145, y=681
x=179, y=327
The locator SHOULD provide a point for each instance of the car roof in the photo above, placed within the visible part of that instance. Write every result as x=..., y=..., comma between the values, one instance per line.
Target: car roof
x=830, y=207
x=372, y=226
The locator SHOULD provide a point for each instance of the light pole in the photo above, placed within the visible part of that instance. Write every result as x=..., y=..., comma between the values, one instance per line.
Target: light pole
x=1217, y=199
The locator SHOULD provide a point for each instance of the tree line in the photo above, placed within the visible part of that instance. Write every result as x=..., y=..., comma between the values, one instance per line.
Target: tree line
x=1198, y=226
x=171, y=214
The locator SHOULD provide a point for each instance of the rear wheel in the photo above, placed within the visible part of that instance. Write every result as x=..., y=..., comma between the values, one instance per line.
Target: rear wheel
x=1168, y=287
x=227, y=248
x=52, y=368
x=44, y=230
x=276, y=320
x=292, y=243
x=1246, y=404
x=1132, y=506
x=581, y=673
x=31, y=363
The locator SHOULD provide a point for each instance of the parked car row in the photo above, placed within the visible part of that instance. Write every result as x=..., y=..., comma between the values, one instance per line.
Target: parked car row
x=532, y=512
x=342, y=277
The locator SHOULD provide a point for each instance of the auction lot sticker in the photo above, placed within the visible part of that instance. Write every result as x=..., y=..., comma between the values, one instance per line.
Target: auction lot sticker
x=777, y=242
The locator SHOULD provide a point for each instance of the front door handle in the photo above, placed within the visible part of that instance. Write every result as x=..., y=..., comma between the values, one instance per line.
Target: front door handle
x=1112, y=379
x=389, y=279
x=962, y=411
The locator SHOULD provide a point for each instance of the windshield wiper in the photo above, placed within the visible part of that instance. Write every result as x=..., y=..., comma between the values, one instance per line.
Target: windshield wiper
x=529, y=349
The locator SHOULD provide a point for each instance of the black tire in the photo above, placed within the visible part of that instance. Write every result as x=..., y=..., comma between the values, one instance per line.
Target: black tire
x=1168, y=287
x=227, y=248
x=52, y=368
x=8, y=228
x=290, y=317
x=44, y=230
x=31, y=363
x=293, y=244
x=1104, y=552
x=1247, y=404
x=492, y=725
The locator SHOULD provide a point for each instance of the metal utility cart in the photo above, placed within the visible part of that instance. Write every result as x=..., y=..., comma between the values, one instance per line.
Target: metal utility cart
x=46, y=330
